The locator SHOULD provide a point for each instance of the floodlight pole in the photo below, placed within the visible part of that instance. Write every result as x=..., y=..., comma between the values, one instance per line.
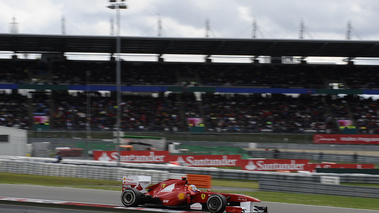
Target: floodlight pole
x=118, y=82
x=118, y=5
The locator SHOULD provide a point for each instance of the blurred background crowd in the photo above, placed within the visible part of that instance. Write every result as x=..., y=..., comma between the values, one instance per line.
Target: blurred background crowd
x=169, y=111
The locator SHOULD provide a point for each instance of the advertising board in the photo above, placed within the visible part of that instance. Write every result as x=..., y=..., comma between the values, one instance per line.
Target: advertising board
x=132, y=156
x=273, y=165
x=311, y=167
x=345, y=139
x=206, y=160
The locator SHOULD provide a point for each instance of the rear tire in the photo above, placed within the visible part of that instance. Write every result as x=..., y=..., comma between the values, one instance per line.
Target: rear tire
x=216, y=203
x=131, y=197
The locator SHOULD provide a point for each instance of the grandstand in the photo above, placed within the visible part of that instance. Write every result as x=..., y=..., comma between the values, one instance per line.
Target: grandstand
x=56, y=94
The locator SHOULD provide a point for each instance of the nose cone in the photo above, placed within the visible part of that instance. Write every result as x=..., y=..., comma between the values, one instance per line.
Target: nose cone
x=251, y=199
x=255, y=199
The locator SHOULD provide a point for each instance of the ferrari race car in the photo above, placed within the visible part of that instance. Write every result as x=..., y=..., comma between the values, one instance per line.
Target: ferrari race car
x=179, y=194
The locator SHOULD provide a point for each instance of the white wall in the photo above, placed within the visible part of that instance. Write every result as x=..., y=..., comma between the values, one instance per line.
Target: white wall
x=17, y=139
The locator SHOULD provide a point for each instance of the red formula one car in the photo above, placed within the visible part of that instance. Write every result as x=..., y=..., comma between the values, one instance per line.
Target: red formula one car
x=179, y=194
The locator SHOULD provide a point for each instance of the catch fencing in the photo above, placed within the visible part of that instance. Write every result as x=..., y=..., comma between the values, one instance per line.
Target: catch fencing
x=318, y=188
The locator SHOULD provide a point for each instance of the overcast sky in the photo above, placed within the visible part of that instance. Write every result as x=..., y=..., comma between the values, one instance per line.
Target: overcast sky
x=323, y=19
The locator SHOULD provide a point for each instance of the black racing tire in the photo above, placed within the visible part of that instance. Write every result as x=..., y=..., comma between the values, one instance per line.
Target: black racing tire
x=216, y=203
x=131, y=197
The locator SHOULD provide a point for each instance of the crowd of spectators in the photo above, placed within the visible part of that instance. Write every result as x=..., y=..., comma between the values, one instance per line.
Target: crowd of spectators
x=103, y=72
x=14, y=111
x=21, y=71
x=365, y=112
x=170, y=112
x=273, y=113
x=14, y=72
x=353, y=77
x=253, y=75
x=239, y=113
x=204, y=74
x=138, y=113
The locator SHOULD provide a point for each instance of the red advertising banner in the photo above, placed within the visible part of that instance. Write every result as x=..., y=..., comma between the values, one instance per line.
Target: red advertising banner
x=206, y=160
x=313, y=166
x=221, y=161
x=133, y=156
x=273, y=165
x=345, y=139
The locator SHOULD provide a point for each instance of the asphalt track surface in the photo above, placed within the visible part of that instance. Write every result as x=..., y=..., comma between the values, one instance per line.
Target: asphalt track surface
x=113, y=198
x=34, y=209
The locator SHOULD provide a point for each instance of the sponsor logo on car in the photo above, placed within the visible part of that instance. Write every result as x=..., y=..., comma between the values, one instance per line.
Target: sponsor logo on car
x=242, y=199
x=181, y=196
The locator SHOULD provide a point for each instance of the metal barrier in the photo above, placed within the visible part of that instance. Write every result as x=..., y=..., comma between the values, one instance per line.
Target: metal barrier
x=110, y=171
x=315, y=156
x=77, y=171
x=330, y=180
x=318, y=188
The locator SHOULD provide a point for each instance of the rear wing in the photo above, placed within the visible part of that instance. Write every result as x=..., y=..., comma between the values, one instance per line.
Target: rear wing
x=138, y=182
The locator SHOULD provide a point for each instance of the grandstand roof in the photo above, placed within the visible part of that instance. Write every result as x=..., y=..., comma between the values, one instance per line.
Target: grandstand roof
x=201, y=46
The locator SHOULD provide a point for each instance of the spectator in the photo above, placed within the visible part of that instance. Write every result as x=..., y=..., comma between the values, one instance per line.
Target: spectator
x=276, y=153
x=58, y=157
x=320, y=157
x=355, y=157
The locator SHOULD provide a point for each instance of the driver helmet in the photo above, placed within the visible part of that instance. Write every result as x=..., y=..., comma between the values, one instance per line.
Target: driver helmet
x=192, y=187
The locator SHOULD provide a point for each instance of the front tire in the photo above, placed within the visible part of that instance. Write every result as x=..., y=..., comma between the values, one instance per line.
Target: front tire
x=131, y=197
x=216, y=203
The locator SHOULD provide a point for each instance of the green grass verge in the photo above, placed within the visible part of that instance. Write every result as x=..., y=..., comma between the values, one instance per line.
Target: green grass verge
x=322, y=200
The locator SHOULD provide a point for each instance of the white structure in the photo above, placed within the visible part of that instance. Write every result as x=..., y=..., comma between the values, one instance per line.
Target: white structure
x=335, y=180
x=13, y=141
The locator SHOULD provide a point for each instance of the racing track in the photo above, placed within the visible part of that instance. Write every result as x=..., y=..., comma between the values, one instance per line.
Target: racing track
x=113, y=198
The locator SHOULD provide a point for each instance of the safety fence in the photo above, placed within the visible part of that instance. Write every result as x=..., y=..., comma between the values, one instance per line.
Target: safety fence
x=77, y=171
x=318, y=188
x=114, y=171
x=316, y=156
